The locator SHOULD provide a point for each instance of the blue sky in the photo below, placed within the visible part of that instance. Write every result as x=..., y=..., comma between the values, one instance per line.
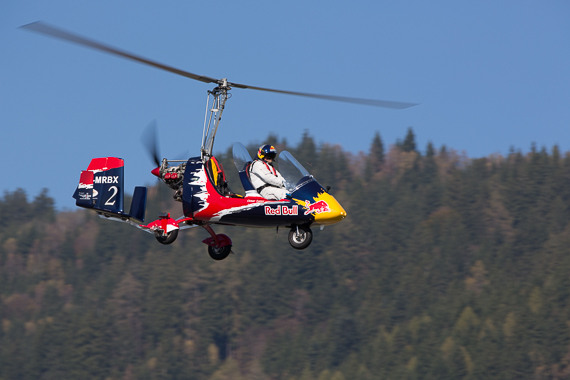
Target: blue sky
x=488, y=75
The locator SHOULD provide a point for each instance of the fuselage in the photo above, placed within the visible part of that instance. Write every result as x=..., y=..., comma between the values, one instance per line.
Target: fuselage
x=203, y=201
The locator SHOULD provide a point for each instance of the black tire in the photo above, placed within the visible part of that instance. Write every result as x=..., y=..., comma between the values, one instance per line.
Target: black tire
x=169, y=238
x=219, y=253
x=300, y=237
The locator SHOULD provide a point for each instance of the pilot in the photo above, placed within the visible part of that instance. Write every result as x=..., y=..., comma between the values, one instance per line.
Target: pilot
x=264, y=177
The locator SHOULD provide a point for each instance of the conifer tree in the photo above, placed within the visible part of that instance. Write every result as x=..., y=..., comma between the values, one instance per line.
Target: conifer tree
x=306, y=153
x=375, y=158
x=409, y=144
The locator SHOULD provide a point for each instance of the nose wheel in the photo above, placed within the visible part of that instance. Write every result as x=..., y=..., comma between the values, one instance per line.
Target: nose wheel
x=300, y=237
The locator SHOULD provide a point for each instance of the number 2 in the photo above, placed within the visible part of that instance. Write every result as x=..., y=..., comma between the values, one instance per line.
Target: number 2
x=111, y=200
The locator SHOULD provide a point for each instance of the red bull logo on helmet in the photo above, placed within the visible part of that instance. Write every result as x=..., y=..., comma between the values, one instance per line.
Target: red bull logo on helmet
x=317, y=207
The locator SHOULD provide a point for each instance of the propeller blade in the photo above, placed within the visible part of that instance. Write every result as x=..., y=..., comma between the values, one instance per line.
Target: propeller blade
x=43, y=28
x=150, y=141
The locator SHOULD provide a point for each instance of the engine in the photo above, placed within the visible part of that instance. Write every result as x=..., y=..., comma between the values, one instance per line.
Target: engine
x=173, y=176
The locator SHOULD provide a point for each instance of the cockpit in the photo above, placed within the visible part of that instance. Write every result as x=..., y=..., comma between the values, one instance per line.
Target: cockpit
x=293, y=172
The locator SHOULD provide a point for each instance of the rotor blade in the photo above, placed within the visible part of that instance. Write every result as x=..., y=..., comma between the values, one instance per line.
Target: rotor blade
x=43, y=28
x=345, y=99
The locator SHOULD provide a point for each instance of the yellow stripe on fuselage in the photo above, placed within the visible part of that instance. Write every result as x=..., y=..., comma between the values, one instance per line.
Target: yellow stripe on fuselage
x=325, y=208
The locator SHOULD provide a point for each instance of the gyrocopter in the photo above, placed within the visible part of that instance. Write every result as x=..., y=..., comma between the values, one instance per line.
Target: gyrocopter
x=199, y=183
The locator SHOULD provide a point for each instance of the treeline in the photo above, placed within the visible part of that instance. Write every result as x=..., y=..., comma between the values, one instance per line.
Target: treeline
x=446, y=267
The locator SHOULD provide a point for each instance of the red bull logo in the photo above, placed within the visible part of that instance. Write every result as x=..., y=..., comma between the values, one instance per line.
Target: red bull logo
x=317, y=207
x=281, y=210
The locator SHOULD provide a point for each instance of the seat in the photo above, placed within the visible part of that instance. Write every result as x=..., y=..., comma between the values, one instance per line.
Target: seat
x=246, y=181
x=217, y=177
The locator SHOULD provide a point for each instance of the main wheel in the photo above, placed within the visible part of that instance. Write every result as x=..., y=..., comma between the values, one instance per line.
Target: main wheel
x=169, y=238
x=219, y=253
x=300, y=237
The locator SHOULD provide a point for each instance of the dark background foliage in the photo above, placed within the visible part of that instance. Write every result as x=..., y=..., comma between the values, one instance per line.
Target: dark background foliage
x=446, y=267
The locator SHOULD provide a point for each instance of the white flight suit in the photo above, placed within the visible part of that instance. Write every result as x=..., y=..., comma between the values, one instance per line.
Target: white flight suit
x=265, y=175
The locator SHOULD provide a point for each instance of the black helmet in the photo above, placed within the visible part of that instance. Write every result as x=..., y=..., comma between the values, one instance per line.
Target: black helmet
x=267, y=151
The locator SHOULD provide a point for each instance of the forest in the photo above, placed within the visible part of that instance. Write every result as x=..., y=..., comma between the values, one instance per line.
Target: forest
x=447, y=267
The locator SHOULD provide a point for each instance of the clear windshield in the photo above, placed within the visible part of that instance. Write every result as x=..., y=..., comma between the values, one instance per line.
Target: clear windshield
x=241, y=156
x=291, y=169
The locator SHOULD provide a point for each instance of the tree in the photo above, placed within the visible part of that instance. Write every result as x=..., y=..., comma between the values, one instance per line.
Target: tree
x=126, y=308
x=90, y=347
x=447, y=267
x=162, y=311
x=375, y=159
x=409, y=143
x=306, y=152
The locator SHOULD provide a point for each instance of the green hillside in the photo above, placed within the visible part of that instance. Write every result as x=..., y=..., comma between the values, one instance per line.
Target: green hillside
x=446, y=267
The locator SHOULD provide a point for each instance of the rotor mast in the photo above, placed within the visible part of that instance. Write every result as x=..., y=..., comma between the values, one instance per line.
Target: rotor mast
x=218, y=97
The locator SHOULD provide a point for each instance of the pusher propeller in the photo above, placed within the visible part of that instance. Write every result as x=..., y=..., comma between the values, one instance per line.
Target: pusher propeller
x=150, y=141
x=43, y=28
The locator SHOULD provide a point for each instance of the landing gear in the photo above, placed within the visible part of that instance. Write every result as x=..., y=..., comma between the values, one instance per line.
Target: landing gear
x=219, y=253
x=168, y=238
x=300, y=237
x=219, y=246
x=165, y=229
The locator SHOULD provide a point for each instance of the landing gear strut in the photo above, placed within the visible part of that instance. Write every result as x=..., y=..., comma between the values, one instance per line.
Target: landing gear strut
x=219, y=246
x=300, y=237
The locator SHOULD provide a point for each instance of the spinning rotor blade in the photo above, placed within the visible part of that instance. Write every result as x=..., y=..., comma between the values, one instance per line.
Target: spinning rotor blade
x=43, y=28
x=345, y=99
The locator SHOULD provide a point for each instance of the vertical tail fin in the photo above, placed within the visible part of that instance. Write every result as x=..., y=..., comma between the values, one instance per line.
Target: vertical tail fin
x=108, y=177
x=138, y=204
x=101, y=187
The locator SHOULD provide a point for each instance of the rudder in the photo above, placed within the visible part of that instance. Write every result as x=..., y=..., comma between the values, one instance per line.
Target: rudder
x=101, y=187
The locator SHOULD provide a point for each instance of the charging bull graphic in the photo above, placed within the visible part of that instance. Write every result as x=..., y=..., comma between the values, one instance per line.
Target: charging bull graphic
x=317, y=207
